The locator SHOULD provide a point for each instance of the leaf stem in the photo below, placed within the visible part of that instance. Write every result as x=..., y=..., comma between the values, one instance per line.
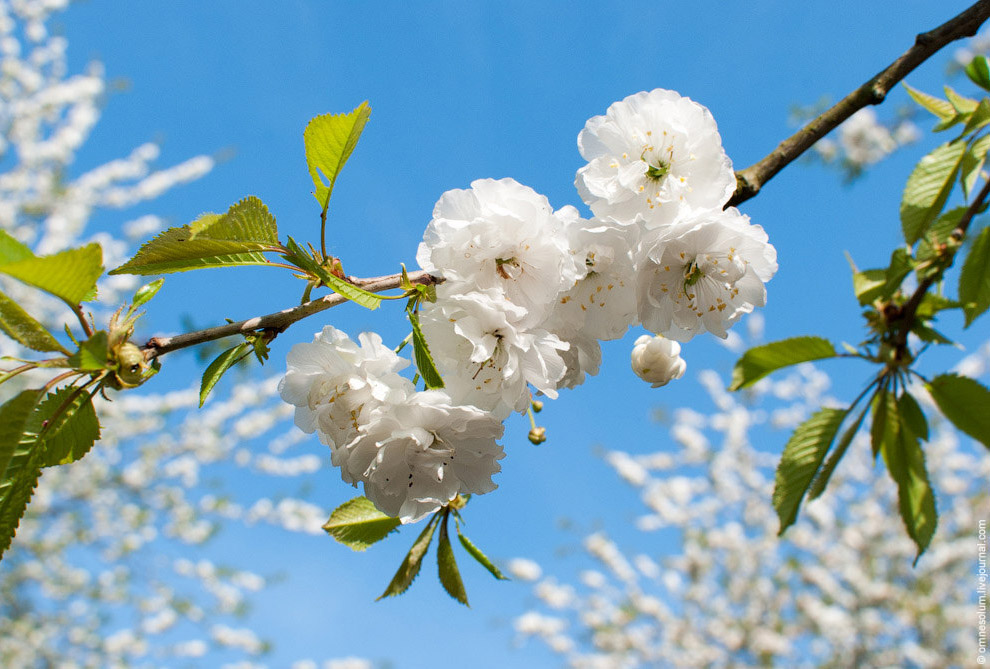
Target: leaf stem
x=87, y=328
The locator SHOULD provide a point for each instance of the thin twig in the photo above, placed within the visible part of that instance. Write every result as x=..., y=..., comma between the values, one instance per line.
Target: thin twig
x=750, y=180
x=280, y=320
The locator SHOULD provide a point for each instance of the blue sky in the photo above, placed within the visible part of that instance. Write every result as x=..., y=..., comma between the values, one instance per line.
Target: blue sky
x=461, y=91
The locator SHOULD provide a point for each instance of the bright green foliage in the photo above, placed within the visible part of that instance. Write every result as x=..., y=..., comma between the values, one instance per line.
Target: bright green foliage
x=960, y=103
x=329, y=140
x=928, y=188
x=66, y=425
x=979, y=118
x=974, y=280
x=145, y=293
x=450, y=575
x=213, y=240
x=906, y=463
x=965, y=402
x=358, y=524
x=868, y=285
x=296, y=255
x=885, y=420
x=978, y=72
x=410, y=566
x=482, y=559
x=943, y=109
x=421, y=352
x=93, y=354
x=803, y=455
x=759, y=361
x=19, y=462
x=973, y=162
x=825, y=472
x=881, y=284
x=21, y=327
x=69, y=275
x=221, y=364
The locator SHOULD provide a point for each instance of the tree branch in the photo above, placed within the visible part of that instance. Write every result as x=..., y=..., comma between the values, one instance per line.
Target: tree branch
x=280, y=320
x=750, y=180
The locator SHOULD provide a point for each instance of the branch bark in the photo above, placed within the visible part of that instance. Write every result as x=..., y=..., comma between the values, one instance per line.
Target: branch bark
x=278, y=321
x=750, y=180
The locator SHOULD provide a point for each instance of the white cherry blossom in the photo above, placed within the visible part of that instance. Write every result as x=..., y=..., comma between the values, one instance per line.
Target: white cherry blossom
x=657, y=360
x=651, y=154
x=704, y=274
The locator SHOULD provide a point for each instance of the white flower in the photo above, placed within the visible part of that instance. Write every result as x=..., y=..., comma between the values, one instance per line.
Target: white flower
x=704, y=274
x=334, y=383
x=583, y=357
x=651, y=154
x=485, y=355
x=864, y=139
x=499, y=235
x=657, y=360
x=420, y=453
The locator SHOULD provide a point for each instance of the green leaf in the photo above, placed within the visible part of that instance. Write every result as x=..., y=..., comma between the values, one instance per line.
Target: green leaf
x=329, y=140
x=358, y=524
x=93, y=354
x=932, y=303
x=885, y=420
x=421, y=351
x=12, y=250
x=928, y=188
x=213, y=240
x=961, y=104
x=978, y=72
x=972, y=163
x=69, y=275
x=19, y=469
x=912, y=417
x=825, y=472
x=965, y=402
x=298, y=256
x=943, y=109
x=974, y=279
x=906, y=463
x=803, y=455
x=409, y=568
x=21, y=327
x=929, y=334
x=482, y=559
x=145, y=293
x=760, y=361
x=868, y=285
x=66, y=425
x=221, y=364
x=450, y=575
x=979, y=118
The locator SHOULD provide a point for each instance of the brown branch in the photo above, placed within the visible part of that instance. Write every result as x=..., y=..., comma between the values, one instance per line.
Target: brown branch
x=280, y=320
x=910, y=308
x=750, y=180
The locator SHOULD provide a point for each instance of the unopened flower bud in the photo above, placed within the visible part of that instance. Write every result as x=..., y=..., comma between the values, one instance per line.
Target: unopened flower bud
x=657, y=360
x=537, y=406
x=538, y=435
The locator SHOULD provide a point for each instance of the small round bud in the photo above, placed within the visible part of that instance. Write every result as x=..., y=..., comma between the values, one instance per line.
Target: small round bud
x=130, y=365
x=657, y=360
x=538, y=435
x=537, y=406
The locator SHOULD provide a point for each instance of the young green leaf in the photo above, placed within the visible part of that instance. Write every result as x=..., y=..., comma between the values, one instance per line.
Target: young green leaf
x=19, y=469
x=932, y=303
x=450, y=575
x=145, y=293
x=69, y=275
x=759, y=361
x=410, y=566
x=14, y=416
x=979, y=118
x=482, y=559
x=928, y=188
x=960, y=103
x=978, y=72
x=329, y=141
x=972, y=164
x=965, y=402
x=974, y=279
x=802, y=457
x=912, y=417
x=906, y=463
x=221, y=364
x=929, y=334
x=885, y=420
x=213, y=240
x=66, y=425
x=825, y=472
x=943, y=109
x=93, y=354
x=12, y=250
x=298, y=257
x=421, y=351
x=20, y=326
x=358, y=524
x=868, y=285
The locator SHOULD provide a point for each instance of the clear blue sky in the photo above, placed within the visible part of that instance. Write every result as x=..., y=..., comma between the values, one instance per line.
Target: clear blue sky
x=461, y=91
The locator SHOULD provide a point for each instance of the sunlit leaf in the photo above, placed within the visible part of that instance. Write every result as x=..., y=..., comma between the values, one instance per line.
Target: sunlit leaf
x=19, y=468
x=943, y=109
x=146, y=292
x=410, y=566
x=759, y=361
x=974, y=279
x=93, y=354
x=960, y=103
x=69, y=275
x=928, y=188
x=298, y=257
x=66, y=425
x=828, y=468
x=482, y=559
x=20, y=326
x=220, y=364
x=329, y=140
x=358, y=524
x=978, y=72
x=421, y=351
x=973, y=161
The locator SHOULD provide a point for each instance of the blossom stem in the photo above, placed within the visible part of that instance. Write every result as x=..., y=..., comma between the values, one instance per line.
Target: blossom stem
x=750, y=180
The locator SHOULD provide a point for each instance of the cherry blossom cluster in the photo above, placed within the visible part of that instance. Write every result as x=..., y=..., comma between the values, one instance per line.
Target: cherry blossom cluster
x=528, y=293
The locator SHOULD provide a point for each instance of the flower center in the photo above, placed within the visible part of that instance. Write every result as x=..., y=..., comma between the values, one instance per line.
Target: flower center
x=692, y=273
x=507, y=268
x=657, y=172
